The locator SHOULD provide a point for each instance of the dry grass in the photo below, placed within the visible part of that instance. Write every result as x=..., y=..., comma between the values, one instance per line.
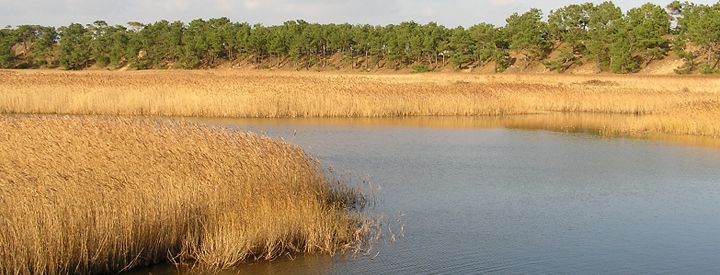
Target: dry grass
x=667, y=104
x=99, y=195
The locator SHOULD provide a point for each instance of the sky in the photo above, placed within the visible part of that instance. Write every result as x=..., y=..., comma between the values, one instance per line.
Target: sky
x=450, y=13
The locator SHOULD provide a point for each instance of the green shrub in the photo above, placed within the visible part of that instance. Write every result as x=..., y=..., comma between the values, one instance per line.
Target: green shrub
x=421, y=69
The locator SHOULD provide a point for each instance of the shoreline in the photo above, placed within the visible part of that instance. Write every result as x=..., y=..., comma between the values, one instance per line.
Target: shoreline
x=103, y=195
x=673, y=105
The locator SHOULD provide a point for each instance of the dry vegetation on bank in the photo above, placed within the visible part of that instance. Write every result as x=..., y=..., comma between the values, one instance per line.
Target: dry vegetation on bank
x=99, y=195
x=664, y=104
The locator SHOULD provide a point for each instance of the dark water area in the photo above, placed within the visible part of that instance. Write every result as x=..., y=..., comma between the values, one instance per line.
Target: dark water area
x=484, y=198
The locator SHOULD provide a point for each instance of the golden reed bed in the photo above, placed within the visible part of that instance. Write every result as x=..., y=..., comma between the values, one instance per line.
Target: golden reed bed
x=100, y=195
x=688, y=105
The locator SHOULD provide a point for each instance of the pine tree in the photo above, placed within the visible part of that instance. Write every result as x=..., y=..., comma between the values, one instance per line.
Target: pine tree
x=7, y=41
x=603, y=26
x=74, y=47
x=528, y=35
x=648, y=25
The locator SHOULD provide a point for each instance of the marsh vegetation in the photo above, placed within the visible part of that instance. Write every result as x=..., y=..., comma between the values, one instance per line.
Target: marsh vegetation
x=657, y=104
x=99, y=175
x=109, y=193
x=102, y=195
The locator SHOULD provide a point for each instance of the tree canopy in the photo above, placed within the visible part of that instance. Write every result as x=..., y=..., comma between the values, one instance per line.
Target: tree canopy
x=603, y=34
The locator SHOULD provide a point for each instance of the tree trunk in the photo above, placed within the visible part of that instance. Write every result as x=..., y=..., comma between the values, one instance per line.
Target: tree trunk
x=367, y=62
x=307, y=63
x=324, y=61
x=352, y=57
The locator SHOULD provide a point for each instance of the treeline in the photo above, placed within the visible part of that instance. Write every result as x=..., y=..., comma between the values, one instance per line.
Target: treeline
x=599, y=33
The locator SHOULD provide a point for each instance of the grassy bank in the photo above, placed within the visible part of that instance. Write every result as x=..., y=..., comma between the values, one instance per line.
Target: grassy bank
x=100, y=195
x=662, y=104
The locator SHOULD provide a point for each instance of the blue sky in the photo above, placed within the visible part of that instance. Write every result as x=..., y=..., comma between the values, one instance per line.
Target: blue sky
x=446, y=12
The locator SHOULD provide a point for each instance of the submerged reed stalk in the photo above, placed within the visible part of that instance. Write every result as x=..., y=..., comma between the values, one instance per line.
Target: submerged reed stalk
x=98, y=195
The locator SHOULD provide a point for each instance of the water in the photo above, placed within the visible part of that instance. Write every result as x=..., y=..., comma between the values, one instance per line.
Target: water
x=477, y=197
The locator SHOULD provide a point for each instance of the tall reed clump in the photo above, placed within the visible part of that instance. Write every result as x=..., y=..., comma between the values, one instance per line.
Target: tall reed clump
x=99, y=195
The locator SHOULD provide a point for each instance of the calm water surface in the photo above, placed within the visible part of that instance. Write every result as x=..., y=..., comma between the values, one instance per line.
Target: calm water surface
x=492, y=199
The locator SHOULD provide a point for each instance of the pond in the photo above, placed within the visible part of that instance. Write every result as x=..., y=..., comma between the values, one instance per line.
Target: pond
x=476, y=195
